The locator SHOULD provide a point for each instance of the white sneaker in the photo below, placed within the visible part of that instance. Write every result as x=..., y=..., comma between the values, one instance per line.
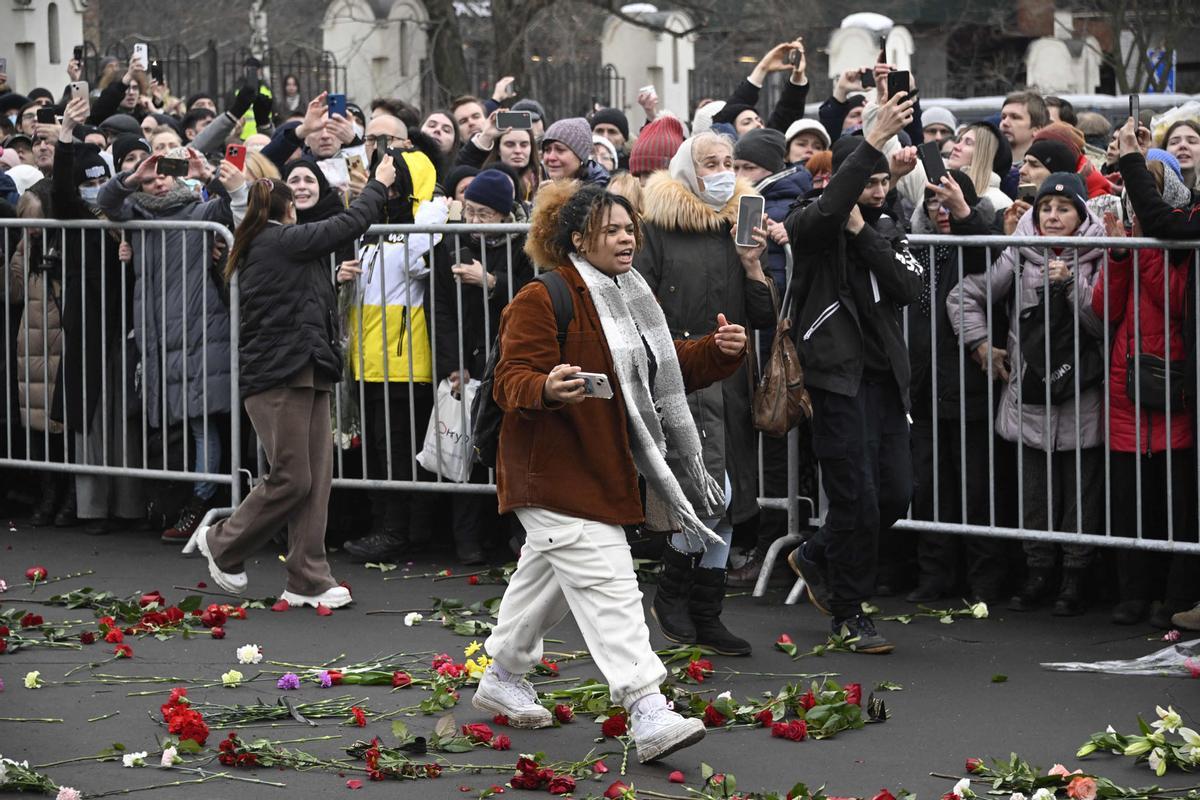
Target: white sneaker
x=660, y=732
x=516, y=700
x=229, y=581
x=336, y=597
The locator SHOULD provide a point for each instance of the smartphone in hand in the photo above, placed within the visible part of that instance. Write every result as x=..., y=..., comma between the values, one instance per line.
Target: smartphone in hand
x=141, y=53
x=235, y=154
x=867, y=78
x=899, y=81
x=595, y=384
x=931, y=160
x=1135, y=108
x=750, y=213
x=517, y=120
x=175, y=167
x=337, y=104
x=79, y=89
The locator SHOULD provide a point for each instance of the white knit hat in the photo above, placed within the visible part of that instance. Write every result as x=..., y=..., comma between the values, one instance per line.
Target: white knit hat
x=801, y=125
x=703, y=121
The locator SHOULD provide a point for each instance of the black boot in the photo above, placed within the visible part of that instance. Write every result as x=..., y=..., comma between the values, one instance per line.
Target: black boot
x=1035, y=589
x=708, y=597
x=1069, y=602
x=43, y=514
x=670, y=606
x=390, y=545
x=65, y=518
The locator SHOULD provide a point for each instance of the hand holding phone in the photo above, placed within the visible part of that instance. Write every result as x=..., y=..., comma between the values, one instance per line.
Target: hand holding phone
x=750, y=213
x=174, y=167
x=141, y=54
x=899, y=81
x=516, y=120
x=156, y=72
x=337, y=104
x=45, y=116
x=1135, y=107
x=595, y=384
x=867, y=78
x=931, y=160
x=235, y=154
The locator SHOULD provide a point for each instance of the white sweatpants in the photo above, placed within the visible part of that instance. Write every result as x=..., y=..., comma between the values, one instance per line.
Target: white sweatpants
x=576, y=565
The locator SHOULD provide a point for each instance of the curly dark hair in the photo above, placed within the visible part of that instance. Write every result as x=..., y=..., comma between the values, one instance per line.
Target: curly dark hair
x=562, y=209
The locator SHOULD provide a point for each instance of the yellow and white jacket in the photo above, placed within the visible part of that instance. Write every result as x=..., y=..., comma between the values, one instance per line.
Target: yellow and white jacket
x=391, y=298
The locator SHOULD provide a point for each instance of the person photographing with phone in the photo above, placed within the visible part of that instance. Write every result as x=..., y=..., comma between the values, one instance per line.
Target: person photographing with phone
x=291, y=355
x=568, y=463
x=853, y=275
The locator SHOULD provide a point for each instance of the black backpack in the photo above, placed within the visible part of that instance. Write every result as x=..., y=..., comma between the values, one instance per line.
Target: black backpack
x=486, y=416
x=1061, y=374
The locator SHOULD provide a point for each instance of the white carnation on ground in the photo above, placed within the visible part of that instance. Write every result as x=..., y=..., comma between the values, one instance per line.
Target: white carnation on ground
x=249, y=654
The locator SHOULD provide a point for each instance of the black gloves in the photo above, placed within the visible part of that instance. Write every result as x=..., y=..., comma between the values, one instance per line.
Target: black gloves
x=242, y=101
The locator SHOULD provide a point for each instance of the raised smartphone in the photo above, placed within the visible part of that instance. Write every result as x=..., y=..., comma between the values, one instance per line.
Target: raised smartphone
x=750, y=212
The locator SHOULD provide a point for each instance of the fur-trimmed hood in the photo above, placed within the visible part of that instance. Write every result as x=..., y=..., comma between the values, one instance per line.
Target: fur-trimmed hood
x=667, y=203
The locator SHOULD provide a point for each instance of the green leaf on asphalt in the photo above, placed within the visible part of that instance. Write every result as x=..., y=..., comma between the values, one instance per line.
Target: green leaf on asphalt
x=999, y=679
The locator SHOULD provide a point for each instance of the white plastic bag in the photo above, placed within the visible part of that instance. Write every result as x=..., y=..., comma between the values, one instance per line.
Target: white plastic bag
x=447, y=449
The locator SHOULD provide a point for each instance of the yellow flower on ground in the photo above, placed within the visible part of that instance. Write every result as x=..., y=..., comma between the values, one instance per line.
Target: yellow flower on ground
x=476, y=667
x=33, y=680
x=472, y=649
x=232, y=678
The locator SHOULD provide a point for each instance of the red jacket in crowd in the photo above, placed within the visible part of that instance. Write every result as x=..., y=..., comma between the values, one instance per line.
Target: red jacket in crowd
x=1123, y=433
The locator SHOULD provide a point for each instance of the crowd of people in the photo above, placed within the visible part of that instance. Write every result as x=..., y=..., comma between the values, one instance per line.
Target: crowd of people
x=961, y=382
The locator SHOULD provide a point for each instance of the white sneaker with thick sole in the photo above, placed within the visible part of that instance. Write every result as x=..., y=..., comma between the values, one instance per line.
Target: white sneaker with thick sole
x=336, y=597
x=660, y=732
x=516, y=700
x=229, y=581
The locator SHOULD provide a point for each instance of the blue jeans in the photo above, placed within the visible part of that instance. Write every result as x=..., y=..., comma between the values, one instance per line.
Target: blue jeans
x=207, y=454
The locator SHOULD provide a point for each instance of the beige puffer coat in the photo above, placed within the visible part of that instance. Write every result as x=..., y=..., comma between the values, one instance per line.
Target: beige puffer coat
x=40, y=336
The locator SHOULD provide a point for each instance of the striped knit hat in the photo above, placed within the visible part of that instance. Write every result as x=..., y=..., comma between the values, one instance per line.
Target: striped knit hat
x=656, y=145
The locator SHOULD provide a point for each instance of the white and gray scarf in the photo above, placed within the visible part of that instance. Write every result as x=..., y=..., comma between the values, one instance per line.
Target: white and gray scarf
x=658, y=417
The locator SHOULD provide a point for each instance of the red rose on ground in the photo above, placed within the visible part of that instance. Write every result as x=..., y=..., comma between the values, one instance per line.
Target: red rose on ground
x=807, y=700
x=473, y=580
x=213, y=617
x=795, y=730
x=561, y=784
x=712, y=717
x=87, y=637
x=123, y=651
x=501, y=742
x=600, y=768
x=354, y=783
x=525, y=780
x=360, y=718
x=31, y=620
x=500, y=719
x=527, y=765
x=676, y=777
x=106, y=622
x=280, y=605
x=783, y=639
x=563, y=713
x=884, y=794
x=36, y=574
x=174, y=615
x=550, y=665
x=765, y=718
x=4, y=630
x=218, y=632
x=335, y=677
x=854, y=693
x=114, y=636
x=616, y=791
x=615, y=726
x=151, y=597
x=974, y=764
x=400, y=679
x=478, y=732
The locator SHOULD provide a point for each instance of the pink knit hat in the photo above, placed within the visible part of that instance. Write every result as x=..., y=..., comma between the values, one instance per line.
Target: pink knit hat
x=655, y=145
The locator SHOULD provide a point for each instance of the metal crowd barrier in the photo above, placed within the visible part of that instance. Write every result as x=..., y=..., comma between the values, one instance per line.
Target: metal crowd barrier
x=118, y=440
x=395, y=264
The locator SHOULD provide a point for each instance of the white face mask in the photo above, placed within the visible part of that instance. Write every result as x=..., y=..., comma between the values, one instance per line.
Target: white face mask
x=89, y=194
x=718, y=188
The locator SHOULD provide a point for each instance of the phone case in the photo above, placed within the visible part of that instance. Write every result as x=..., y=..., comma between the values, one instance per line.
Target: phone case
x=236, y=155
x=337, y=104
x=748, y=219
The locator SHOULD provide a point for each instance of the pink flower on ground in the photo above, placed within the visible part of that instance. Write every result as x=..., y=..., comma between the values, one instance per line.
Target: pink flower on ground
x=67, y=793
x=1082, y=788
x=1171, y=636
x=1060, y=770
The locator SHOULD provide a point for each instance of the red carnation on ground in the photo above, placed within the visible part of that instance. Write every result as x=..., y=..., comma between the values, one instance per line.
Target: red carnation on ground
x=213, y=617
x=123, y=651
x=87, y=637
x=218, y=632
x=400, y=679
x=473, y=580
x=360, y=717
x=615, y=726
x=884, y=794
x=36, y=574
x=854, y=693
x=563, y=713
x=114, y=636
x=501, y=742
x=698, y=668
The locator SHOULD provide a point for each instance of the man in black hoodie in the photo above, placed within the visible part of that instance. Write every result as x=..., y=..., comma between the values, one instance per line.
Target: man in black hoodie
x=854, y=274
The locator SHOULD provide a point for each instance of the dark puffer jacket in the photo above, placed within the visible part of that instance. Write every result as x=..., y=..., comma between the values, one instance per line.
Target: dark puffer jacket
x=288, y=303
x=781, y=191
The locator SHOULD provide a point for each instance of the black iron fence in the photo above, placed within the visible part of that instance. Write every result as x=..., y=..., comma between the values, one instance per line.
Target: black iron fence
x=220, y=73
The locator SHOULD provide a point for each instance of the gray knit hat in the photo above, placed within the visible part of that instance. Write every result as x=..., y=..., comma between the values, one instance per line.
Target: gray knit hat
x=575, y=133
x=764, y=147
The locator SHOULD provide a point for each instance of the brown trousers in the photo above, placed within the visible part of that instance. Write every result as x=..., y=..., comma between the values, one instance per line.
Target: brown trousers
x=293, y=424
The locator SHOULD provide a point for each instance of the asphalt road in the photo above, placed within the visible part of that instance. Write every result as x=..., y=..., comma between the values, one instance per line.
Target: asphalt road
x=949, y=707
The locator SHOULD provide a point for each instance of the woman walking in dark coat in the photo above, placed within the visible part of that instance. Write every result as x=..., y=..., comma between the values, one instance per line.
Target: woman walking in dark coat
x=290, y=359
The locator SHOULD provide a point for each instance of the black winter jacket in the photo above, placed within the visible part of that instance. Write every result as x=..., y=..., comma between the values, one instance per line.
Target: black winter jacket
x=476, y=335
x=288, y=302
x=841, y=279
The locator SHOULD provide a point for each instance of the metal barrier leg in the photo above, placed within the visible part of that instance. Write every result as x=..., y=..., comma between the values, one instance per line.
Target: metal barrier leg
x=777, y=546
x=212, y=516
x=795, y=593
